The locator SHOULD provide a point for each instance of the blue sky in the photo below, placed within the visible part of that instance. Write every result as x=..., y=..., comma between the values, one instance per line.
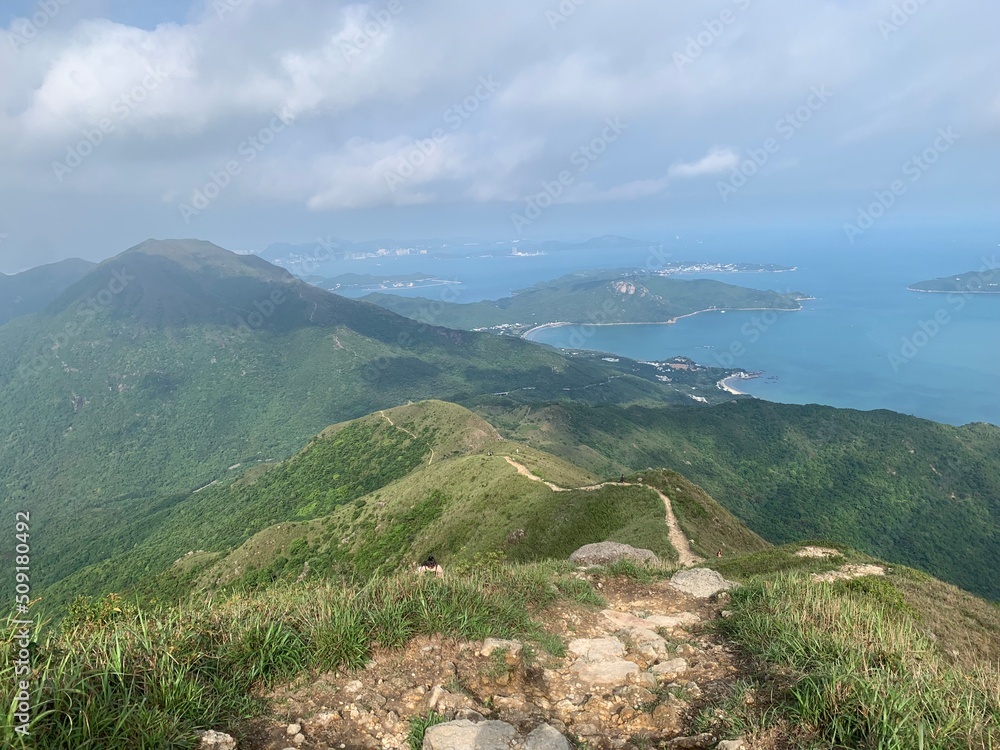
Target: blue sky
x=253, y=121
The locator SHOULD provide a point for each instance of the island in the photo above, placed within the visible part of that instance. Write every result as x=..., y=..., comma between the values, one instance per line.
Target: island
x=591, y=298
x=986, y=281
x=364, y=281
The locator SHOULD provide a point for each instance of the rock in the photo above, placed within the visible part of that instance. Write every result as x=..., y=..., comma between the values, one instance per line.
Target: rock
x=646, y=644
x=212, y=740
x=847, y=572
x=299, y=738
x=469, y=714
x=739, y=744
x=646, y=680
x=546, y=737
x=293, y=729
x=670, y=670
x=701, y=583
x=672, y=622
x=603, y=553
x=637, y=695
x=622, y=620
x=605, y=673
x=694, y=742
x=437, y=693
x=595, y=650
x=513, y=648
x=666, y=716
x=463, y=735
x=817, y=552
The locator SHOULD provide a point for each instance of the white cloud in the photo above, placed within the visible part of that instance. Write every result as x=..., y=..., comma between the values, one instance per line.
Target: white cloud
x=716, y=161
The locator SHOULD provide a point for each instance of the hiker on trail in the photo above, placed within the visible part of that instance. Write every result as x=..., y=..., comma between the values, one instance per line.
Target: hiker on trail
x=622, y=480
x=430, y=565
x=719, y=553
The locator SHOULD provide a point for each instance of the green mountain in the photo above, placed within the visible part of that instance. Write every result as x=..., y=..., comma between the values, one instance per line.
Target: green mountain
x=901, y=488
x=984, y=281
x=592, y=297
x=380, y=493
x=176, y=360
x=30, y=291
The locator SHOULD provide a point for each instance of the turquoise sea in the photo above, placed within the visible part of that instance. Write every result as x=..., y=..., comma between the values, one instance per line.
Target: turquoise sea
x=864, y=342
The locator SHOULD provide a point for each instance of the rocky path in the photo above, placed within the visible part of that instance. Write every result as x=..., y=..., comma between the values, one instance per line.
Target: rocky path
x=633, y=675
x=685, y=554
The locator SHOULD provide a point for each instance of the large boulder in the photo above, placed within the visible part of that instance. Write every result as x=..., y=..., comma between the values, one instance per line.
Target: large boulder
x=603, y=553
x=465, y=735
x=700, y=583
x=545, y=737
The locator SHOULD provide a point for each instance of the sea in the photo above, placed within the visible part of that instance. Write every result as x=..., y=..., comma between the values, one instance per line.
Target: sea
x=862, y=340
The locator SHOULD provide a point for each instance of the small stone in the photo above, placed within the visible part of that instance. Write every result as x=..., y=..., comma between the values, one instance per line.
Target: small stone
x=694, y=742
x=670, y=670
x=212, y=740
x=437, y=693
x=513, y=648
x=293, y=729
x=546, y=737
x=739, y=744
x=299, y=738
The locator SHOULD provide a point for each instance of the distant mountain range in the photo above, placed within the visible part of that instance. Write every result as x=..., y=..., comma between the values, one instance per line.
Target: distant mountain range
x=30, y=291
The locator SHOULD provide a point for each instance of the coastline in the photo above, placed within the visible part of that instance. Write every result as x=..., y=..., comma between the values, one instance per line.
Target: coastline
x=724, y=385
x=946, y=291
x=670, y=322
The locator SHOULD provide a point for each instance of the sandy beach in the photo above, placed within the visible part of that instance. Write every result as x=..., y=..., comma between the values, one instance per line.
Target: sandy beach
x=724, y=384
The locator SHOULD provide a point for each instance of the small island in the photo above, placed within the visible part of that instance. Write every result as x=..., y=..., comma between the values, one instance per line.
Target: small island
x=369, y=282
x=986, y=281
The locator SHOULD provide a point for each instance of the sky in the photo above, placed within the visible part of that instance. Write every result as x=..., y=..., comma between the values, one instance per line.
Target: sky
x=247, y=122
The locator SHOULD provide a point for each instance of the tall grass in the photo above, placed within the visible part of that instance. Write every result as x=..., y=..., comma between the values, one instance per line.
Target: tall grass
x=863, y=673
x=117, y=676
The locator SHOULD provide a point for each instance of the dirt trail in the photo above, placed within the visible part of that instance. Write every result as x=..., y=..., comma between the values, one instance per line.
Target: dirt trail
x=685, y=555
x=403, y=429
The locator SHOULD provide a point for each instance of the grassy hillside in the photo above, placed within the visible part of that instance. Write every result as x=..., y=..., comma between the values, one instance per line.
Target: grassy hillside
x=30, y=291
x=902, y=488
x=167, y=365
x=593, y=297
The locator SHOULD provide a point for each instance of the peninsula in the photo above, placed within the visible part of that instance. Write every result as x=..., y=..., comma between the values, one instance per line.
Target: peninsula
x=985, y=281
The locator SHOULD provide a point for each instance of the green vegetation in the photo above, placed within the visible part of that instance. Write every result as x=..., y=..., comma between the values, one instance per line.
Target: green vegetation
x=984, y=281
x=854, y=665
x=591, y=297
x=175, y=361
x=897, y=487
x=30, y=291
x=118, y=675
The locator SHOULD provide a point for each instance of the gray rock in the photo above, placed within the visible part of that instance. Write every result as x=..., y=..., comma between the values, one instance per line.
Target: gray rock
x=464, y=735
x=212, y=740
x=701, y=583
x=513, y=648
x=596, y=649
x=670, y=670
x=605, y=673
x=739, y=744
x=545, y=737
x=603, y=553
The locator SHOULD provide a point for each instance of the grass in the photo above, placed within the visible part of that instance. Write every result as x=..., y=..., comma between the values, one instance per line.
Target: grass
x=859, y=669
x=419, y=726
x=117, y=675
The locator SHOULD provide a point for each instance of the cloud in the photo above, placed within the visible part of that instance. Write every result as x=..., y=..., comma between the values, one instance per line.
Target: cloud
x=368, y=80
x=716, y=161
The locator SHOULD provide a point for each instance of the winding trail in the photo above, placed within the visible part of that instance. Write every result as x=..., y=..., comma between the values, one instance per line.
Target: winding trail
x=685, y=555
x=403, y=429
